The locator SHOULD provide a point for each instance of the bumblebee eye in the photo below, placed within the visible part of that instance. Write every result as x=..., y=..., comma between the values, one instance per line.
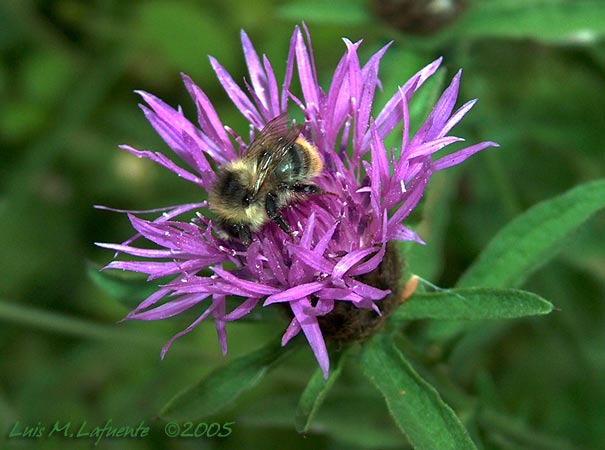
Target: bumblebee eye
x=246, y=200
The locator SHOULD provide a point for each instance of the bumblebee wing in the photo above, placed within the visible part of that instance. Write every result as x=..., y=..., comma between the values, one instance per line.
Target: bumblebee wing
x=269, y=148
x=267, y=137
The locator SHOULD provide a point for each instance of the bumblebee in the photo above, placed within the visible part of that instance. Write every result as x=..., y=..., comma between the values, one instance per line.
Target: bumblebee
x=275, y=171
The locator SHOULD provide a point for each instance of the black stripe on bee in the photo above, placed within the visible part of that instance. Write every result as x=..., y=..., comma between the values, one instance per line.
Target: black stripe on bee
x=229, y=185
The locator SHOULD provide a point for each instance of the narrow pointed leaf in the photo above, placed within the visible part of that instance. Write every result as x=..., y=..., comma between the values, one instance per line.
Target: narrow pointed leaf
x=53, y=322
x=533, y=238
x=224, y=385
x=473, y=303
x=314, y=394
x=338, y=418
x=427, y=421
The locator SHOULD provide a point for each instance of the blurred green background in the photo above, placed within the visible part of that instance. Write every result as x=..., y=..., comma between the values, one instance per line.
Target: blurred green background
x=67, y=73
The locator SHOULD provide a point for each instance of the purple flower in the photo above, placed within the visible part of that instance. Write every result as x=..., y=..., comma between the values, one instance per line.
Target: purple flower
x=337, y=238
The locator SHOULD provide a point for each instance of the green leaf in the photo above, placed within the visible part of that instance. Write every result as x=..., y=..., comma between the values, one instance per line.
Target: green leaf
x=427, y=421
x=545, y=20
x=338, y=12
x=224, y=385
x=338, y=418
x=46, y=77
x=314, y=394
x=473, y=303
x=126, y=288
x=182, y=34
x=531, y=239
x=518, y=434
x=62, y=324
x=427, y=260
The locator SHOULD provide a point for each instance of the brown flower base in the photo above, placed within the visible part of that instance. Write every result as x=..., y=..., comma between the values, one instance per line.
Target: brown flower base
x=346, y=323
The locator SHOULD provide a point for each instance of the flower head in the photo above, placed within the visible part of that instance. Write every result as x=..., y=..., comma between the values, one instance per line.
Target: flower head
x=338, y=239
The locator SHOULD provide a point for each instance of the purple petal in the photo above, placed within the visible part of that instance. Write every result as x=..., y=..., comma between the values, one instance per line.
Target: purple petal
x=255, y=69
x=173, y=209
x=237, y=96
x=390, y=116
x=171, y=125
x=310, y=328
x=204, y=168
x=398, y=232
x=273, y=89
x=305, y=240
x=241, y=310
x=188, y=329
x=289, y=70
x=275, y=262
x=428, y=148
x=321, y=246
x=151, y=300
x=405, y=115
x=338, y=294
x=168, y=123
x=159, y=233
x=354, y=76
x=218, y=314
x=349, y=260
x=256, y=98
x=459, y=156
x=457, y=117
x=215, y=286
x=414, y=194
x=162, y=160
x=254, y=260
x=440, y=113
x=157, y=269
x=337, y=104
x=170, y=309
x=414, y=83
x=365, y=290
x=306, y=73
x=144, y=252
x=369, y=83
x=370, y=264
x=323, y=307
x=211, y=124
x=249, y=286
x=294, y=293
x=312, y=259
x=292, y=330
x=380, y=166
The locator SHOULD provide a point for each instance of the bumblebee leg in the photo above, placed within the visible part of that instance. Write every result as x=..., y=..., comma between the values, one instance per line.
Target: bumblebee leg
x=237, y=231
x=230, y=229
x=271, y=208
x=244, y=234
